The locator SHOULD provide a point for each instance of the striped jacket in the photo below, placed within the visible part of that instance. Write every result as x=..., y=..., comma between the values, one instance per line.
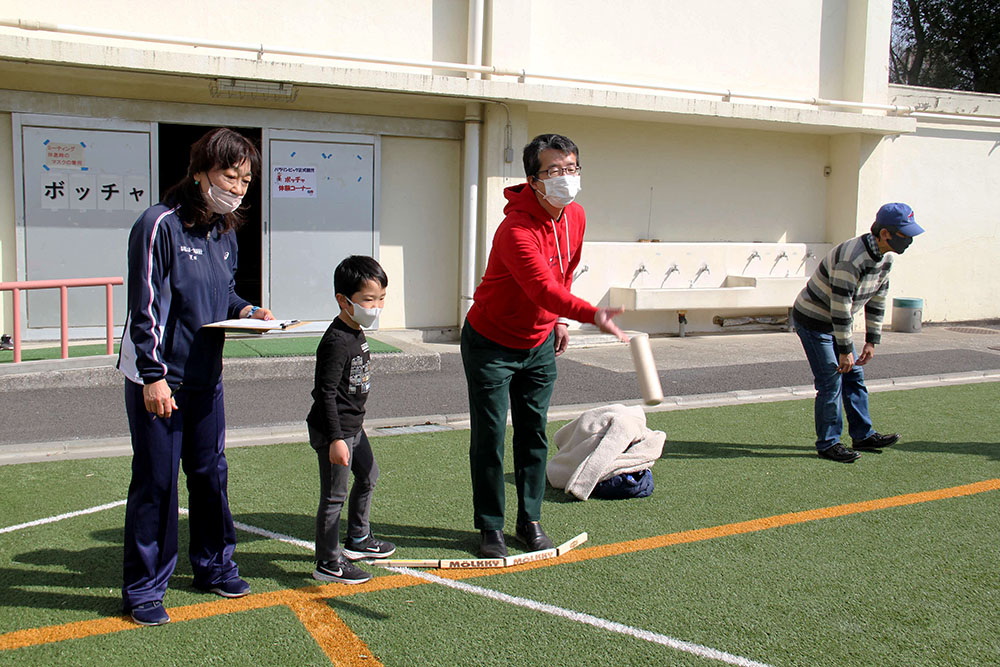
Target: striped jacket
x=852, y=275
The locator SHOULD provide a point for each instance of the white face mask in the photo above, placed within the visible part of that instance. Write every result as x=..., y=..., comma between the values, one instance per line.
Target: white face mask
x=220, y=201
x=364, y=317
x=562, y=190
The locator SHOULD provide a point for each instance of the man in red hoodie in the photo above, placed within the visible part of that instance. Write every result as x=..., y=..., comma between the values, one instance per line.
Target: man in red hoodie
x=511, y=337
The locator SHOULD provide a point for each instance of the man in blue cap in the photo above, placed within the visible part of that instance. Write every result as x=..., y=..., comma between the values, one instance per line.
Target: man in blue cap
x=853, y=275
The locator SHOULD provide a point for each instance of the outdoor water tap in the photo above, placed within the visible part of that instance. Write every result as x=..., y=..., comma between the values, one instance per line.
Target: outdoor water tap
x=701, y=269
x=753, y=255
x=673, y=269
x=642, y=269
x=781, y=255
x=580, y=271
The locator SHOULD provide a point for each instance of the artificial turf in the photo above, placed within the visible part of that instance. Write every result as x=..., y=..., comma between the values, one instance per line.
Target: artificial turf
x=913, y=585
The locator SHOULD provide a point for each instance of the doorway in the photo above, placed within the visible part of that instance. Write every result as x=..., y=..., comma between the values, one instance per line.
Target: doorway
x=174, y=150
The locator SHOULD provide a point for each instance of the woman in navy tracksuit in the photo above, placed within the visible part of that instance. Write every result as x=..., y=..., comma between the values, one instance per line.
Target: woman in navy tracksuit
x=181, y=263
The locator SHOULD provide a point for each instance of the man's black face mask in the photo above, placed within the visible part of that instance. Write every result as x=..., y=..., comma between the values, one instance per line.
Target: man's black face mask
x=899, y=243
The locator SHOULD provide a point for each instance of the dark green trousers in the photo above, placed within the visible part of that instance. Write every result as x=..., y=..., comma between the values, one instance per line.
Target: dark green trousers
x=499, y=376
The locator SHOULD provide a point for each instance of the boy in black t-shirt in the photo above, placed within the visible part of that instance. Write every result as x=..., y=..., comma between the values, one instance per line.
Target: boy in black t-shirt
x=343, y=378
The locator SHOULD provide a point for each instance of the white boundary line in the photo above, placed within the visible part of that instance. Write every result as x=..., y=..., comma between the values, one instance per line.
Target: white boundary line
x=181, y=511
x=579, y=617
x=280, y=537
x=60, y=517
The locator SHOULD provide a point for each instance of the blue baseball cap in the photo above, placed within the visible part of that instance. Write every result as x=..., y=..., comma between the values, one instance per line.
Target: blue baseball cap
x=899, y=217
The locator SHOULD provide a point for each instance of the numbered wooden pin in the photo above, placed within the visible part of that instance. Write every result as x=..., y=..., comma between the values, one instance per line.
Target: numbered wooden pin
x=645, y=369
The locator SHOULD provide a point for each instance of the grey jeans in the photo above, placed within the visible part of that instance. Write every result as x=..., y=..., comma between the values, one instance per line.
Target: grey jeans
x=333, y=482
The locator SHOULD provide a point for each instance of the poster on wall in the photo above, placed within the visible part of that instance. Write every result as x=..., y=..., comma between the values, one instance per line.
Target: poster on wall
x=293, y=182
x=83, y=189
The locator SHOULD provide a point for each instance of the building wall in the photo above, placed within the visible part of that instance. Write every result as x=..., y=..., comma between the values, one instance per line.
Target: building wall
x=950, y=173
x=684, y=168
x=742, y=44
x=698, y=184
x=419, y=242
x=401, y=29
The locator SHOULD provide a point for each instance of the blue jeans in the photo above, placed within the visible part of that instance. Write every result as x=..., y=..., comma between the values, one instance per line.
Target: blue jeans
x=831, y=387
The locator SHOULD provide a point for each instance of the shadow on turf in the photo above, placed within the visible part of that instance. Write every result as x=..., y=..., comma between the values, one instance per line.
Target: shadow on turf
x=403, y=536
x=77, y=572
x=990, y=450
x=728, y=450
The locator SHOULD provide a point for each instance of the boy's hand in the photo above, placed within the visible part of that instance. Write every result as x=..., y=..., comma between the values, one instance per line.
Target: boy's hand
x=339, y=454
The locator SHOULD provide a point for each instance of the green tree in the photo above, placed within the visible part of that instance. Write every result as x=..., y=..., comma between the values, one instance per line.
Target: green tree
x=953, y=44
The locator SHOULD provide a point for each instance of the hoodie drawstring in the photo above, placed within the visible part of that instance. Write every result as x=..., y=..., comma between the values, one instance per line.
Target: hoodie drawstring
x=555, y=234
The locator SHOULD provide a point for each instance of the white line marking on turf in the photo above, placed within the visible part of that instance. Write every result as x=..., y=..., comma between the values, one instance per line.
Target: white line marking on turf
x=287, y=539
x=60, y=517
x=182, y=511
x=603, y=624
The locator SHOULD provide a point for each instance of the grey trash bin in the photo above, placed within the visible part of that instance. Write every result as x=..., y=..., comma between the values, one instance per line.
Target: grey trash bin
x=907, y=314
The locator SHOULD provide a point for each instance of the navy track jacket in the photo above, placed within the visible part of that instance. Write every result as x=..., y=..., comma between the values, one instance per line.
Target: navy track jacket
x=179, y=278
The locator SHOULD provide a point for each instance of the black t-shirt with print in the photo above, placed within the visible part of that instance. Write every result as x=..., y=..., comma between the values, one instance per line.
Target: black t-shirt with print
x=342, y=381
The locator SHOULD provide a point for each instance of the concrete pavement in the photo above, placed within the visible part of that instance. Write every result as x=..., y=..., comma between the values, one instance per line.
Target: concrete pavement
x=73, y=408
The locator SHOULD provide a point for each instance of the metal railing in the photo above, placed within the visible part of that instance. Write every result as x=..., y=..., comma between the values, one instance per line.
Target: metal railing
x=63, y=285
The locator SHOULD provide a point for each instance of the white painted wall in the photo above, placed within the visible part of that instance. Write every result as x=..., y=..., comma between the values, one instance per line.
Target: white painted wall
x=403, y=29
x=708, y=184
x=743, y=44
x=793, y=46
x=419, y=212
x=950, y=175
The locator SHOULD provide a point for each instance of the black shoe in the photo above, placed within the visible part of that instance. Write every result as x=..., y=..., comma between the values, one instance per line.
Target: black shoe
x=369, y=547
x=342, y=571
x=234, y=588
x=876, y=441
x=150, y=613
x=491, y=544
x=840, y=454
x=533, y=535
x=6, y=343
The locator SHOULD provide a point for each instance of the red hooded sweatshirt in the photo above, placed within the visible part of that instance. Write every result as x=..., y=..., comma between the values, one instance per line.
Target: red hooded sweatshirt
x=526, y=285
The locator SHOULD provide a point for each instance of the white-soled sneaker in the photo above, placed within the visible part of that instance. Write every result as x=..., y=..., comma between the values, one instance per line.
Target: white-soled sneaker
x=369, y=547
x=342, y=571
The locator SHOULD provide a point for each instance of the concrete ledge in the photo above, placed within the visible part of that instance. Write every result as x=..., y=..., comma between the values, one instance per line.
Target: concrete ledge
x=279, y=433
x=101, y=371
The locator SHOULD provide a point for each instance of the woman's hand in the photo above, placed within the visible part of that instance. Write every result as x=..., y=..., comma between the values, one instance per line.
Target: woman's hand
x=159, y=399
x=258, y=314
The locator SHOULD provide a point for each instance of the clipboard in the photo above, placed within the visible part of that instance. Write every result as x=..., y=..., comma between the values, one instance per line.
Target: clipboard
x=250, y=325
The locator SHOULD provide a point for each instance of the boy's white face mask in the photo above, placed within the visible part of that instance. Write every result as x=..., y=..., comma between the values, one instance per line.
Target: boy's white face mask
x=364, y=317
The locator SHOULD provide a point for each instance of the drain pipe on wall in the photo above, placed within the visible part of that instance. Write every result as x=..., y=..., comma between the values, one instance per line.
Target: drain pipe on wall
x=470, y=169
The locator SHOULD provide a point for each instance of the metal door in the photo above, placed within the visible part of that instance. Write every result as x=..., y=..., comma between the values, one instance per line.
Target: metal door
x=321, y=193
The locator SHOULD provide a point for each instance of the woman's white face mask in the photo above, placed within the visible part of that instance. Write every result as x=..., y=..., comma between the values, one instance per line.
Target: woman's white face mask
x=221, y=201
x=561, y=190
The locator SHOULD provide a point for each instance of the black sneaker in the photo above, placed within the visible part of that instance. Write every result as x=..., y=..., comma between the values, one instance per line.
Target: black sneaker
x=342, y=571
x=234, y=588
x=840, y=454
x=150, y=613
x=369, y=547
x=6, y=343
x=876, y=441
